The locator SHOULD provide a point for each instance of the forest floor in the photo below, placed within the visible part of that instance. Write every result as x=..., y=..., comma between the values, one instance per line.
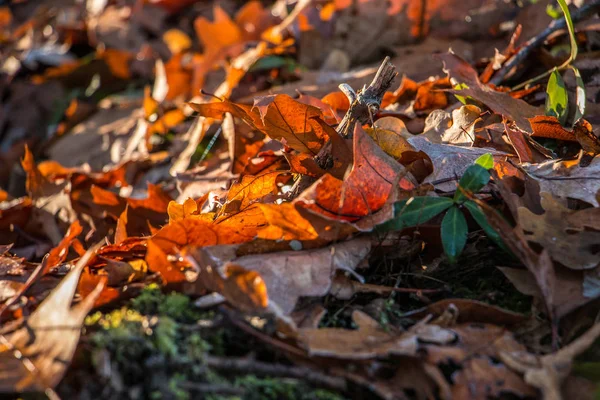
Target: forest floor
x=305, y=199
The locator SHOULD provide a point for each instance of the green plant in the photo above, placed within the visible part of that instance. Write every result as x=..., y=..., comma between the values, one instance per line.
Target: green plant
x=454, y=229
x=557, y=104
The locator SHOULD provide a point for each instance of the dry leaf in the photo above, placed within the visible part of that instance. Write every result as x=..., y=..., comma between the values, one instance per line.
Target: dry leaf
x=292, y=274
x=36, y=355
x=499, y=102
x=568, y=239
x=567, y=179
x=370, y=340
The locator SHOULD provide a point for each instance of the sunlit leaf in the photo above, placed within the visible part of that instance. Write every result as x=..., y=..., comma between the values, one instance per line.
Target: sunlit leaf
x=486, y=161
x=454, y=233
x=557, y=99
x=570, y=27
x=580, y=95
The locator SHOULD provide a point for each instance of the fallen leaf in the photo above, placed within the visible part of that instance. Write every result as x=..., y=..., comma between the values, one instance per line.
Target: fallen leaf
x=36, y=354
x=290, y=275
x=548, y=372
x=370, y=340
x=499, y=102
x=372, y=180
x=449, y=161
x=60, y=252
x=251, y=189
x=470, y=311
x=567, y=179
x=549, y=127
x=567, y=238
x=481, y=378
x=280, y=117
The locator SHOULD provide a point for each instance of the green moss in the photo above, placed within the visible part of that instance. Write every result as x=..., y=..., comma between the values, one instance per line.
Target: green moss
x=174, y=305
x=266, y=388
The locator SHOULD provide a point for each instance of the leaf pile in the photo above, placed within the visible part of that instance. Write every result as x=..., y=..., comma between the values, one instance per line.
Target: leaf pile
x=367, y=239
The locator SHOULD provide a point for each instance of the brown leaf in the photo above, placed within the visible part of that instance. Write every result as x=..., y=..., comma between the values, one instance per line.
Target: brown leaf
x=539, y=265
x=548, y=372
x=449, y=162
x=480, y=378
x=527, y=149
x=499, y=102
x=370, y=340
x=471, y=311
x=366, y=189
x=567, y=179
x=36, y=355
x=58, y=254
x=568, y=292
x=290, y=275
x=567, y=238
x=280, y=117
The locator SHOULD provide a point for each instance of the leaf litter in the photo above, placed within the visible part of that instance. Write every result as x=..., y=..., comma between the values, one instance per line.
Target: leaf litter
x=200, y=211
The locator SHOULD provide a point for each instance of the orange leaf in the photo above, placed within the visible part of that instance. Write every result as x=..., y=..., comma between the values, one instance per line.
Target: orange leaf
x=549, y=127
x=219, y=34
x=121, y=229
x=194, y=232
x=373, y=176
x=285, y=223
x=157, y=200
x=177, y=41
x=280, y=117
x=58, y=254
x=252, y=189
x=253, y=19
x=430, y=97
x=177, y=211
x=117, y=61
x=158, y=261
x=36, y=182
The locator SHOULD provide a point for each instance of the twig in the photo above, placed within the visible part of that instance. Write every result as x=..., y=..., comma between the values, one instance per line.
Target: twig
x=366, y=103
x=288, y=348
x=363, y=106
x=583, y=12
x=261, y=368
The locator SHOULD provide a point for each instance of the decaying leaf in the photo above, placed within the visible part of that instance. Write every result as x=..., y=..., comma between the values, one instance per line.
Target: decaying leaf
x=35, y=355
x=370, y=340
x=287, y=275
x=373, y=179
x=449, y=161
x=568, y=238
x=548, y=372
x=567, y=179
x=499, y=102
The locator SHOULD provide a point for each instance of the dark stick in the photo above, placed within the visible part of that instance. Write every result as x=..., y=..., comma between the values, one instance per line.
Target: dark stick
x=363, y=106
x=261, y=368
x=583, y=12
